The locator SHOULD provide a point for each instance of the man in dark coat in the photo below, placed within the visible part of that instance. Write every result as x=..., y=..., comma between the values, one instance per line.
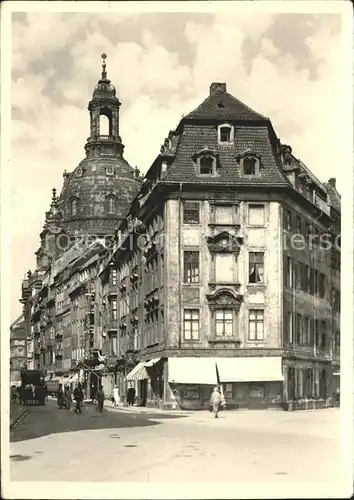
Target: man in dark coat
x=79, y=397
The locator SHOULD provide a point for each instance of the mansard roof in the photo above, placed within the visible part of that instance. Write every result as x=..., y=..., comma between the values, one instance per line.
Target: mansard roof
x=254, y=137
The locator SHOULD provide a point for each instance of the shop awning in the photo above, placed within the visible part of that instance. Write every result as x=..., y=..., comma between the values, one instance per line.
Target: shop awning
x=203, y=370
x=253, y=369
x=192, y=371
x=138, y=373
x=152, y=362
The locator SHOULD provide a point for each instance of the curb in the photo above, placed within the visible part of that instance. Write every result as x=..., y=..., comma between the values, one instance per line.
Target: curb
x=18, y=420
x=123, y=409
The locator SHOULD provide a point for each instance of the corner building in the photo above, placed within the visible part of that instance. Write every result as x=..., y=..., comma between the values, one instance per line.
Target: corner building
x=211, y=282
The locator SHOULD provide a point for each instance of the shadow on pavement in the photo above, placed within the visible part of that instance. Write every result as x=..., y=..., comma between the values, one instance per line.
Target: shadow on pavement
x=47, y=420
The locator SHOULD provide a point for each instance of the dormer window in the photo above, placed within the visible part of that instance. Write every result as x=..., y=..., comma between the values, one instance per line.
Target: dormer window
x=74, y=207
x=206, y=161
x=206, y=165
x=249, y=166
x=250, y=163
x=225, y=134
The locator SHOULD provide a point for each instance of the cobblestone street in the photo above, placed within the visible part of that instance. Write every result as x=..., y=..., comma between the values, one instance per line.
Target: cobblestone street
x=129, y=445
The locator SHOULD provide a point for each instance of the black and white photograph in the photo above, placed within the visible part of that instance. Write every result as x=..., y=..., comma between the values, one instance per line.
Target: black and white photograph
x=176, y=266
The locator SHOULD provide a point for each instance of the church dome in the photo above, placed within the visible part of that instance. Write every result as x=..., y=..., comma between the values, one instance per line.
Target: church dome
x=103, y=89
x=97, y=195
x=99, y=192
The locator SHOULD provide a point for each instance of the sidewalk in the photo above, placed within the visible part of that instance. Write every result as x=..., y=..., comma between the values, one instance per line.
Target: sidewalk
x=143, y=409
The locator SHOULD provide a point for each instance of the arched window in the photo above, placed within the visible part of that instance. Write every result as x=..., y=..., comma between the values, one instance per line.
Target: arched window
x=249, y=166
x=73, y=206
x=206, y=165
x=104, y=125
x=111, y=205
x=106, y=122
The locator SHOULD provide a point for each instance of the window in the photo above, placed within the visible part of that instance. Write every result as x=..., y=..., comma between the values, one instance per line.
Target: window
x=323, y=330
x=206, y=165
x=307, y=331
x=114, y=309
x=224, y=267
x=289, y=272
x=312, y=281
x=298, y=224
x=307, y=231
x=256, y=215
x=113, y=345
x=74, y=207
x=224, y=323
x=249, y=166
x=111, y=205
x=297, y=275
x=336, y=342
x=298, y=329
x=190, y=212
x=256, y=324
x=256, y=267
x=306, y=278
x=317, y=332
x=224, y=215
x=191, y=324
x=225, y=133
x=191, y=267
x=321, y=285
x=287, y=220
x=114, y=277
x=289, y=331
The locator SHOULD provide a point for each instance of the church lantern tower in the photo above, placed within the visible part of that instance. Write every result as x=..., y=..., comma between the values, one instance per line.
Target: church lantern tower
x=97, y=195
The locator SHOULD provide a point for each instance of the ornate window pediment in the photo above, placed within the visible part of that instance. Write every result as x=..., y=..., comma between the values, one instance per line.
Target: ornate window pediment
x=224, y=299
x=250, y=163
x=206, y=160
x=224, y=242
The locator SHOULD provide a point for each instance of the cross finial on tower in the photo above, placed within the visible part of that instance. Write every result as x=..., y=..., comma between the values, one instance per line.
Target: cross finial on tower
x=104, y=73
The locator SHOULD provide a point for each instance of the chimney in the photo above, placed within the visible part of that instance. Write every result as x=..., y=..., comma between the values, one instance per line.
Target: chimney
x=217, y=87
x=332, y=182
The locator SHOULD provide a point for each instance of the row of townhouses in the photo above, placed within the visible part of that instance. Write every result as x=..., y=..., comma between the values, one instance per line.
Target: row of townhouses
x=221, y=264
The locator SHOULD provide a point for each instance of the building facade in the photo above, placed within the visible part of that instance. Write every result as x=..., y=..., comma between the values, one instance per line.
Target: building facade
x=18, y=355
x=59, y=296
x=223, y=267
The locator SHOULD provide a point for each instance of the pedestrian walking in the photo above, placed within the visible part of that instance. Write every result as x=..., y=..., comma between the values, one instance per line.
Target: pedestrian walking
x=215, y=401
x=60, y=397
x=116, y=398
x=100, y=399
x=78, y=397
x=131, y=396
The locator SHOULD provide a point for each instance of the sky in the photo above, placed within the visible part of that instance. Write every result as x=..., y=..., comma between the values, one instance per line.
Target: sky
x=285, y=66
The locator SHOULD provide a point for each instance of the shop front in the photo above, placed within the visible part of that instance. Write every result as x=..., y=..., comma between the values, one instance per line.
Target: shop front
x=147, y=379
x=249, y=382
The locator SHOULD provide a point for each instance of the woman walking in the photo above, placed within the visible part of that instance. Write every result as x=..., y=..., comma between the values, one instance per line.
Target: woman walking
x=215, y=401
